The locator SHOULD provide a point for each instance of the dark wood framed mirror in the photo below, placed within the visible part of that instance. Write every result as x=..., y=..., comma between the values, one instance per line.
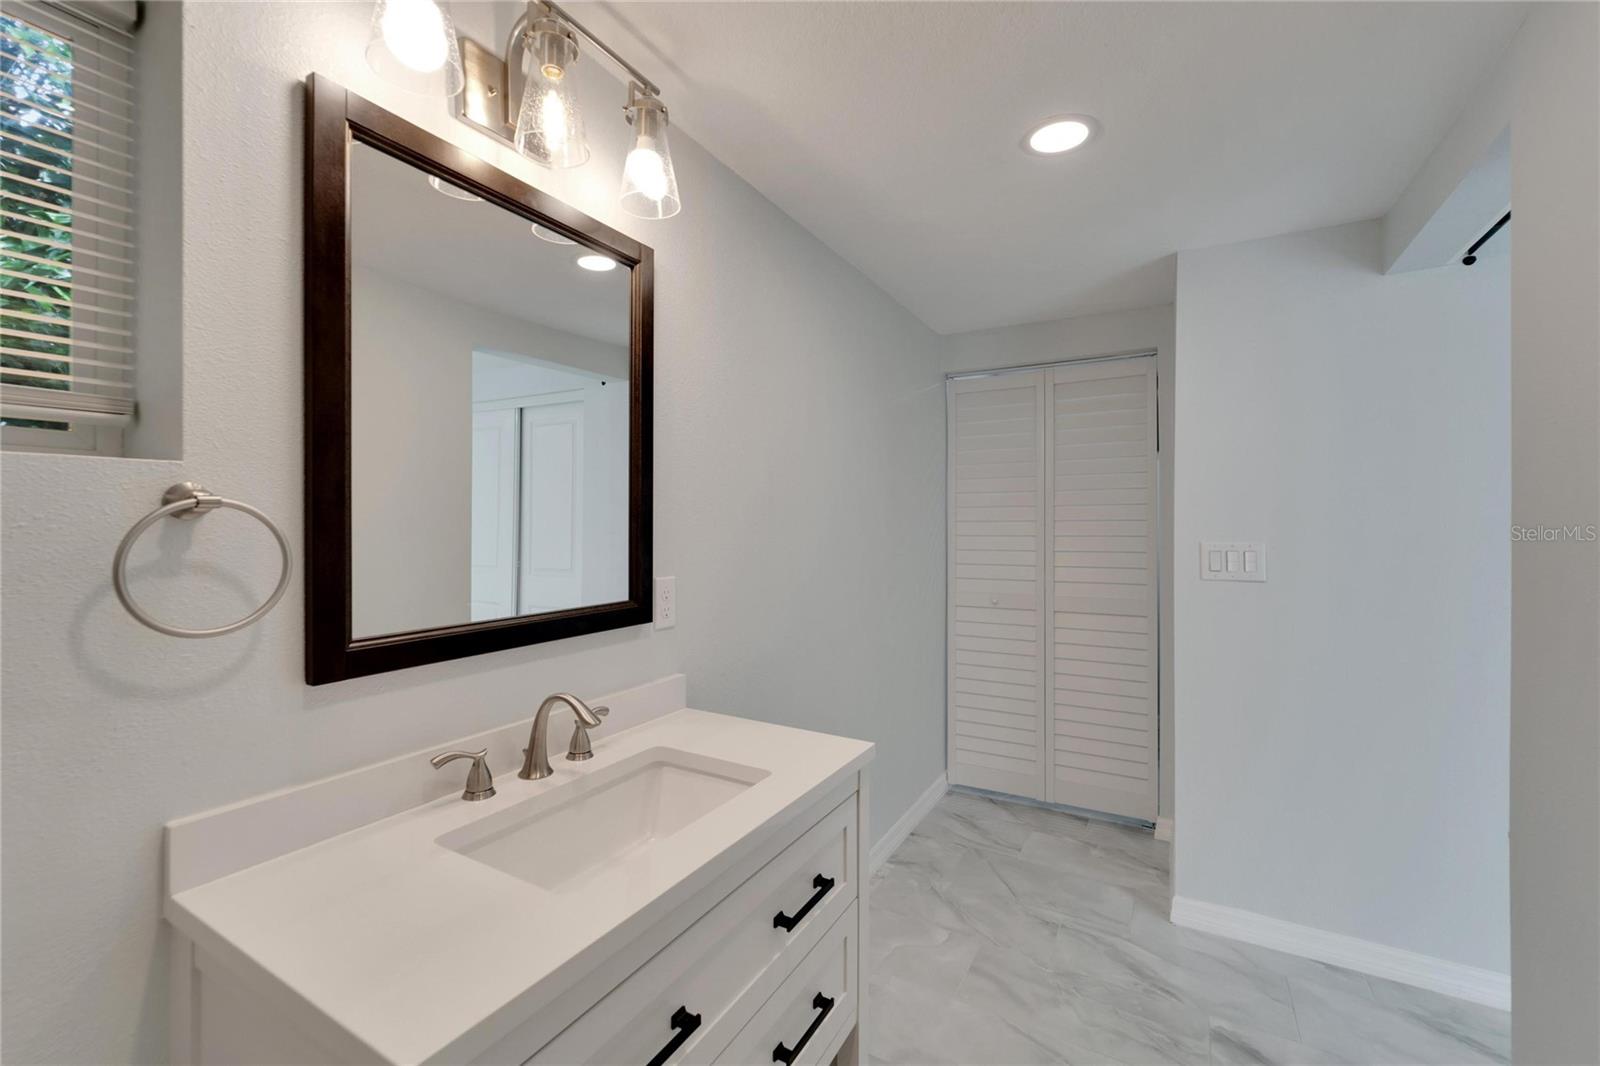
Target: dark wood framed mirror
x=478, y=378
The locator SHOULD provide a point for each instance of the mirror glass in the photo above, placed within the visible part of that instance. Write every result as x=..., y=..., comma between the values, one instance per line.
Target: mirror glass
x=489, y=409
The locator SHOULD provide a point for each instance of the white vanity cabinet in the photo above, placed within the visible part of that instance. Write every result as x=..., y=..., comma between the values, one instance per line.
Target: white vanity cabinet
x=734, y=939
x=696, y=998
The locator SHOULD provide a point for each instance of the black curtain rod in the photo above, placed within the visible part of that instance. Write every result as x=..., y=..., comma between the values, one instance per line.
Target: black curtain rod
x=1472, y=253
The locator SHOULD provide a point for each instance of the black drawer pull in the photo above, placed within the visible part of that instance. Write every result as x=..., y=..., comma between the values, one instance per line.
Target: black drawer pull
x=685, y=1024
x=823, y=885
x=819, y=1003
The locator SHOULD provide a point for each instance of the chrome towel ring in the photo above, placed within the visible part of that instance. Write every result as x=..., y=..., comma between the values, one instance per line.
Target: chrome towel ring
x=188, y=500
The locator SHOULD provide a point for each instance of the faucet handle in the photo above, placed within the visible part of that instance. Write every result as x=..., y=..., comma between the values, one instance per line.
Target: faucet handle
x=480, y=783
x=579, y=749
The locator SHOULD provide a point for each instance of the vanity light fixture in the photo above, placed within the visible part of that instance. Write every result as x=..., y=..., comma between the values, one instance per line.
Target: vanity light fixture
x=455, y=192
x=597, y=263
x=1061, y=134
x=413, y=46
x=527, y=100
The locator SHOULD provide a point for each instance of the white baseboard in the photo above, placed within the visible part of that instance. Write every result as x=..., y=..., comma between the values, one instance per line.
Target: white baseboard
x=1164, y=829
x=906, y=823
x=1365, y=956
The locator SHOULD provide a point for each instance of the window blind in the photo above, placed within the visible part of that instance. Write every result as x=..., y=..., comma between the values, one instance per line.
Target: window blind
x=67, y=222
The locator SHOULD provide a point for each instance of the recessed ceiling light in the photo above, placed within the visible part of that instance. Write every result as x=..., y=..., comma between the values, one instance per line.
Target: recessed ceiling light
x=545, y=233
x=597, y=262
x=455, y=192
x=1061, y=134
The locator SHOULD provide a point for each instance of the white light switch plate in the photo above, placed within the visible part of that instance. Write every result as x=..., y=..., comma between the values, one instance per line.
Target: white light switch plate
x=1233, y=560
x=666, y=602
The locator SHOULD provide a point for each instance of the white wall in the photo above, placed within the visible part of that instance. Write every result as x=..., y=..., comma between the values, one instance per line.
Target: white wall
x=410, y=454
x=1555, y=615
x=807, y=561
x=1462, y=187
x=1542, y=99
x=1344, y=725
x=1083, y=337
x=498, y=375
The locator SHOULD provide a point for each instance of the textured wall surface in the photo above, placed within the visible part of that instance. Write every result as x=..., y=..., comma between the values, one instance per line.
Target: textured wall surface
x=799, y=482
x=1343, y=726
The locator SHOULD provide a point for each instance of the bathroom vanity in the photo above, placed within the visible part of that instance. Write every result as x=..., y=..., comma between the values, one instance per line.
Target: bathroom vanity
x=693, y=893
x=686, y=887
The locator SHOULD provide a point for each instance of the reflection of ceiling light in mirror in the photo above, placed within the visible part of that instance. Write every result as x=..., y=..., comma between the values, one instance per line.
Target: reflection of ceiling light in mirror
x=545, y=233
x=1061, y=134
x=455, y=192
x=597, y=262
x=413, y=45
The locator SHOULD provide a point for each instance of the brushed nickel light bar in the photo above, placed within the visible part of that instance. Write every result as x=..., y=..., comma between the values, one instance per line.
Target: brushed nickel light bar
x=413, y=44
x=536, y=112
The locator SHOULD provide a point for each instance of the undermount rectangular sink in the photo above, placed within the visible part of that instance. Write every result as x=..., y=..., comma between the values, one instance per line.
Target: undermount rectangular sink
x=603, y=818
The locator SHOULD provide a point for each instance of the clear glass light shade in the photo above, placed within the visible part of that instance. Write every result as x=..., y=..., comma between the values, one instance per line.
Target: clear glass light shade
x=413, y=46
x=649, y=186
x=549, y=124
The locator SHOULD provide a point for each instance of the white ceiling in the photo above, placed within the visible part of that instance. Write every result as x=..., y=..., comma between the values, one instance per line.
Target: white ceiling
x=892, y=130
x=477, y=253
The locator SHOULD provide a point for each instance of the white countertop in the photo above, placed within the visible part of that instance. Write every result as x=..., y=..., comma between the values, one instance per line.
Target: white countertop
x=407, y=945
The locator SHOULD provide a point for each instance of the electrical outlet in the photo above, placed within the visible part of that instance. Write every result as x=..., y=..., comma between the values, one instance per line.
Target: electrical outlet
x=666, y=602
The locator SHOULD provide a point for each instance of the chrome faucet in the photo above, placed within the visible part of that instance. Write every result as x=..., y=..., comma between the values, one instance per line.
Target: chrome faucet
x=536, y=756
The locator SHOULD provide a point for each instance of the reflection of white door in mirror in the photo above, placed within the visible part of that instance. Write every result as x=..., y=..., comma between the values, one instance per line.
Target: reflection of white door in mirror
x=527, y=504
x=552, y=506
x=494, y=513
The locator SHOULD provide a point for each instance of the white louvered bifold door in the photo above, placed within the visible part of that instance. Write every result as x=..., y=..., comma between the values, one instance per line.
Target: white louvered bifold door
x=1101, y=684
x=996, y=621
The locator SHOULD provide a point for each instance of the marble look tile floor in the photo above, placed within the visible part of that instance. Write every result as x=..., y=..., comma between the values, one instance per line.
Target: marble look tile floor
x=1007, y=934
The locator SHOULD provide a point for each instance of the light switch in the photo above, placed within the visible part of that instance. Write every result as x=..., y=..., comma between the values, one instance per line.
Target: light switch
x=1233, y=560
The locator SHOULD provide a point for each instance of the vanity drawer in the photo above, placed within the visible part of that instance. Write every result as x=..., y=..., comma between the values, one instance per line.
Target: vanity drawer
x=693, y=996
x=805, y=1020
